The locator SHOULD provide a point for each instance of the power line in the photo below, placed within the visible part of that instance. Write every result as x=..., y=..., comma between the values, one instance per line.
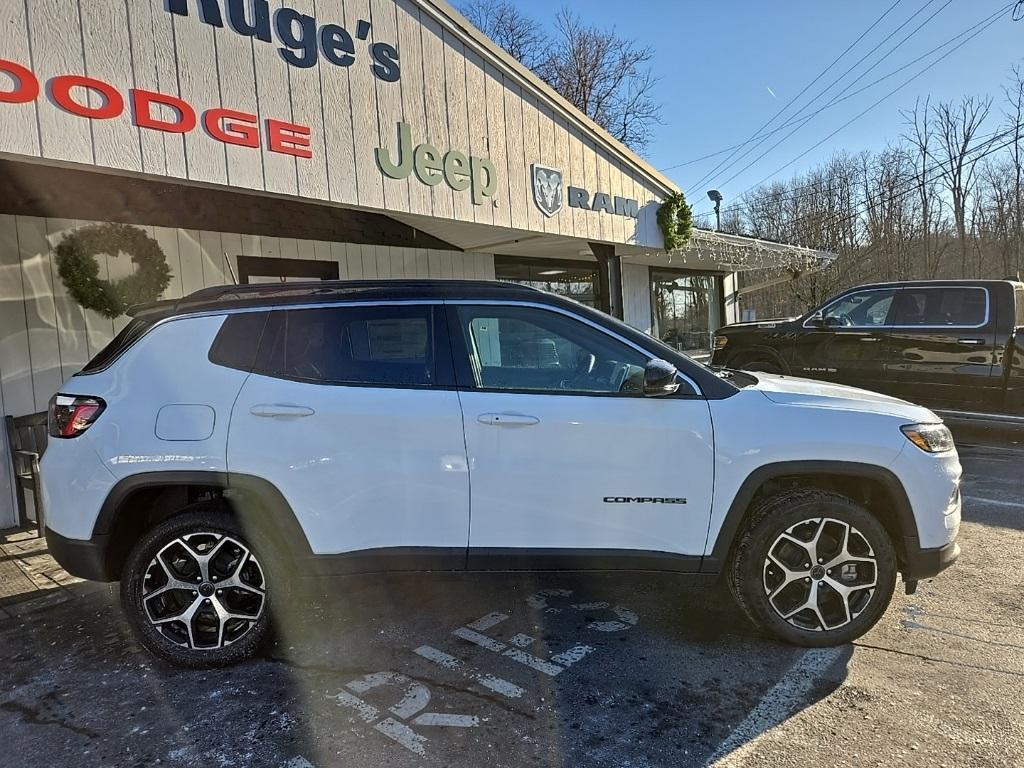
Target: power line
x=984, y=25
x=843, y=96
x=846, y=88
x=808, y=86
x=795, y=194
x=984, y=150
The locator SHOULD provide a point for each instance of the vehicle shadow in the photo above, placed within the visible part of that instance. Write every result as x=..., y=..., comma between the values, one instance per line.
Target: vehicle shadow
x=673, y=675
x=585, y=669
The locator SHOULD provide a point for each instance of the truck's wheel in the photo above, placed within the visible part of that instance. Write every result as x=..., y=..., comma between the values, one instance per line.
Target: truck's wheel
x=195, y=591
x=759, y=362
x=813, y=568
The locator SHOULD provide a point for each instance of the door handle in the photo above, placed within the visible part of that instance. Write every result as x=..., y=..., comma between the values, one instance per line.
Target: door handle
x=971, y=342
x=507, y=419
x=869, y=338
x=279, y=410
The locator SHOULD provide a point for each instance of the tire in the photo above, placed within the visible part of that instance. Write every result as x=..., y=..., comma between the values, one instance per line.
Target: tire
x=199, y=546
x=770, y=584
x=759, y=363
x=763, y=366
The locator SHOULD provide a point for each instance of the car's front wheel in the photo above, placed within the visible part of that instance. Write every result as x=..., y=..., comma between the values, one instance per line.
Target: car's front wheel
x=813, y=568
x=195, y=590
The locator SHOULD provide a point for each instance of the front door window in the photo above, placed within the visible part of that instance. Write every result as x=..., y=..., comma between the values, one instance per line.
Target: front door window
x=532, y=350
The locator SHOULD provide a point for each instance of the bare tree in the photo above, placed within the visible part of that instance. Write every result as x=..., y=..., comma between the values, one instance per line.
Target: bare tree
x=922, y=140
x=521, y=37
x=956, y=126
x=607, y=77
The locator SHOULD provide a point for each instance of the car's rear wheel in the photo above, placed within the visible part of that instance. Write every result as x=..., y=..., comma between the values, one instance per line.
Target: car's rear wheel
x=813, y=568
x=196, y=591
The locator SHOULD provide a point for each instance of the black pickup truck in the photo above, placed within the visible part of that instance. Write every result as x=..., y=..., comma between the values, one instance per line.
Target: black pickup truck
x=947, y=344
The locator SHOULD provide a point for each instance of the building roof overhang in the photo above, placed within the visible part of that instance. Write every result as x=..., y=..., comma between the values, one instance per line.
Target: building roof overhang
x=461, y=27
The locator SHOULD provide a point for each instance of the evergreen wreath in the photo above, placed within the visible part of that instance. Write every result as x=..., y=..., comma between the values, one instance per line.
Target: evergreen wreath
x=675, y=219
x=80, y=270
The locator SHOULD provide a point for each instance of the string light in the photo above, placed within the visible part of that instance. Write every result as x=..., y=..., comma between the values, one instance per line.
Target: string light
x=717, y=250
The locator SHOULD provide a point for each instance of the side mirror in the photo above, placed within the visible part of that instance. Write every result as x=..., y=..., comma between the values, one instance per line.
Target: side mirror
x=818, y=319
x=660, y=378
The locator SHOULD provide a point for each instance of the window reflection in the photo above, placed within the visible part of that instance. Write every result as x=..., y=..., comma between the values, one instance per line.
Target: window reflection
x=684, y=308
x=574, y=280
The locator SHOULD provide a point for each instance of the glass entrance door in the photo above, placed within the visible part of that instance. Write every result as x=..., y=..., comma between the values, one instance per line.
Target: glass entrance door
x=684, y=308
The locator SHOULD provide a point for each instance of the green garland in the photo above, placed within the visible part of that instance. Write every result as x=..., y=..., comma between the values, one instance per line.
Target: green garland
x=675, y=218
x=80, y=270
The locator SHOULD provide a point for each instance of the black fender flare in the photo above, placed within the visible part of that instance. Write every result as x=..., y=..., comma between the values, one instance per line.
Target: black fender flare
x=254, y=500
x=903, y=513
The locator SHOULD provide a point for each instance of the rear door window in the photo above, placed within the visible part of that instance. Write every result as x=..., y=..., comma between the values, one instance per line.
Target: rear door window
x=942, y=307
x=238, y=340
x=371, y=345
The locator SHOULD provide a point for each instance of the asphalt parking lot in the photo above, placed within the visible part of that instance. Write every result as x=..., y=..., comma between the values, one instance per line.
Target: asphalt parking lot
x=595, y=670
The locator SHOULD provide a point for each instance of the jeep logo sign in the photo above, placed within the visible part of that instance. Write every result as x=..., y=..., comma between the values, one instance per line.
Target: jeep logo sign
x=455, y=168
x=547, y=194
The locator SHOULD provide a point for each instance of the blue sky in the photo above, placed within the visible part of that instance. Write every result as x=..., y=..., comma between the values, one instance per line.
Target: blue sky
x=720, y=62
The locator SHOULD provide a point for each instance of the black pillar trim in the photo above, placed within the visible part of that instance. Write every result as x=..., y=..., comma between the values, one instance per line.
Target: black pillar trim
x=609, y=270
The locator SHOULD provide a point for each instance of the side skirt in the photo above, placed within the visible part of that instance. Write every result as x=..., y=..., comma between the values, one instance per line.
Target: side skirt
x=418, y=559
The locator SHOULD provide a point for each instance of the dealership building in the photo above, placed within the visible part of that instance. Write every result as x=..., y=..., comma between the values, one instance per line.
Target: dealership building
x=258, y=141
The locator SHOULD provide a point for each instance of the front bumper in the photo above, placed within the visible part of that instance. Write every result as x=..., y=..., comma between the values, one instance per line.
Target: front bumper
x=925, y=563
x=84, y=558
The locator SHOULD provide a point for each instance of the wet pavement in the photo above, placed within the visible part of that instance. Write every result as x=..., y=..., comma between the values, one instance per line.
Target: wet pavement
x=514, y=670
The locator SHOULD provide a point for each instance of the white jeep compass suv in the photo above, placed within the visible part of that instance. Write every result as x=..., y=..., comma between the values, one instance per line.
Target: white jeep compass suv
x=226, y=443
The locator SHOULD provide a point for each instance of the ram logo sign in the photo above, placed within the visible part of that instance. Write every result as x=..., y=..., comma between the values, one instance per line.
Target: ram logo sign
x=547, y=189
x=550, y=193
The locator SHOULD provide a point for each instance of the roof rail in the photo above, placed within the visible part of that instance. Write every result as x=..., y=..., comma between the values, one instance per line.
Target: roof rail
x=223, y=296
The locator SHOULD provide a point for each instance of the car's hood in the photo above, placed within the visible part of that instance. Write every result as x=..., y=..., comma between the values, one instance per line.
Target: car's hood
x=788, y=390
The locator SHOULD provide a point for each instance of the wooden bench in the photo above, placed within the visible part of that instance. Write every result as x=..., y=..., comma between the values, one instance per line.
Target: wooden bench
x=26, y=438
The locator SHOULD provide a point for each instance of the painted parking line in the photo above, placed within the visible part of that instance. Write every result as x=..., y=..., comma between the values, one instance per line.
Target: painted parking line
x=449, y=662
x=995, y=502
x=476, y=638
x=784, y=698
x=414, y=696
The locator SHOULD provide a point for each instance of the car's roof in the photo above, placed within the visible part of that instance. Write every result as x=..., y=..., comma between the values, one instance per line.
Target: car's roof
x=934, y=284
x=227, y=297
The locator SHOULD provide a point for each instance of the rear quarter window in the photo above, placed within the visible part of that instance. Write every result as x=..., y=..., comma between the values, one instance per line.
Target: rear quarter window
x=130, y=334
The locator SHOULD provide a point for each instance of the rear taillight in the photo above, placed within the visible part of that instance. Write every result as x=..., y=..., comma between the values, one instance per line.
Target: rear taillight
x=71, y=415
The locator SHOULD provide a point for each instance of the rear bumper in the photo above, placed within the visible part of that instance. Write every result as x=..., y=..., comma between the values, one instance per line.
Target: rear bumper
x=926, y=563
x=86, y=559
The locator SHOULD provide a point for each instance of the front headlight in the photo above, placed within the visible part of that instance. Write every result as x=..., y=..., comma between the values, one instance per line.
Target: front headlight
x=930, y=438
x=721, y=341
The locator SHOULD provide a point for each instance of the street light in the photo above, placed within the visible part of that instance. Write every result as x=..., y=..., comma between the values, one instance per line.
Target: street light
x=716, y=197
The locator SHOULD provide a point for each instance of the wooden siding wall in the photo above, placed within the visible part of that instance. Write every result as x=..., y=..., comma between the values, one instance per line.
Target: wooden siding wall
x=636, y=296
x=449, y=94
x=45, y=336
